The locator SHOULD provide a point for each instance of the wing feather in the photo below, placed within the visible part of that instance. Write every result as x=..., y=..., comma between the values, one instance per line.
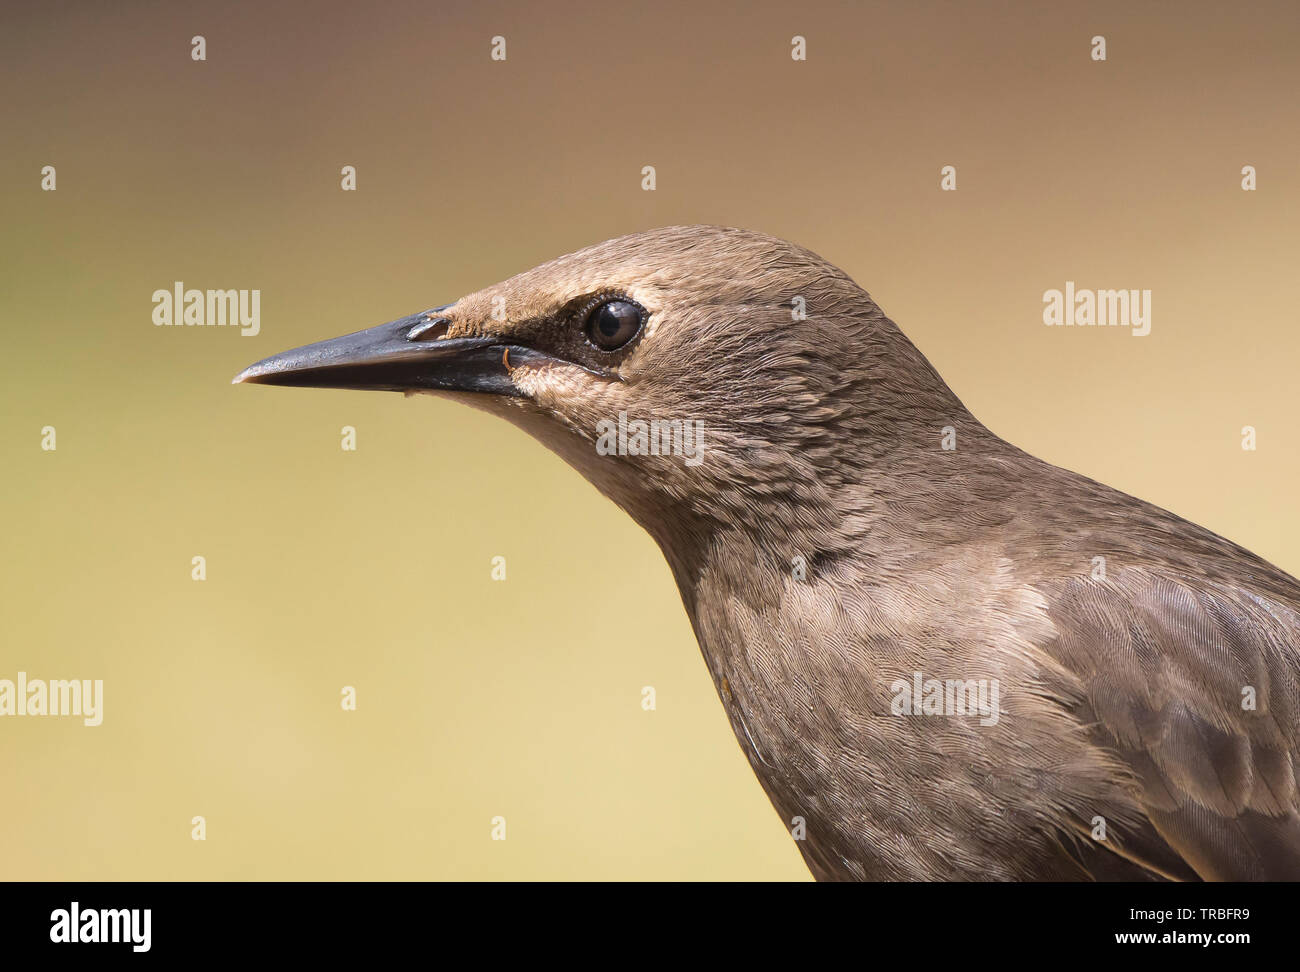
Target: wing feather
x=1194, y=684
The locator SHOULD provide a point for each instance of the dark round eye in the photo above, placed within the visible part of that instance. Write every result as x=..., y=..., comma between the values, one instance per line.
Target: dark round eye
x=612, y=324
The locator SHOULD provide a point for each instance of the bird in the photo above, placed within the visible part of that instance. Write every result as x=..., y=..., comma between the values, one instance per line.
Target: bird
x=845, y=534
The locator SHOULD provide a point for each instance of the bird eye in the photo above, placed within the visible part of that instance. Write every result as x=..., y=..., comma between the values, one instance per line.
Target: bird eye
x=613, y=323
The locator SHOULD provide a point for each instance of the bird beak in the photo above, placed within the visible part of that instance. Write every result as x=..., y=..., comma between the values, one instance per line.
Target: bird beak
x=403, y=355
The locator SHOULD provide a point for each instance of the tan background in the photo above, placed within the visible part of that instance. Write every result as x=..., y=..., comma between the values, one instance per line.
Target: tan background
x=371, y=568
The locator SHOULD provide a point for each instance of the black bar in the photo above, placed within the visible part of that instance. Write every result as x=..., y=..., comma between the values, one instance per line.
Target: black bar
x=930, y=923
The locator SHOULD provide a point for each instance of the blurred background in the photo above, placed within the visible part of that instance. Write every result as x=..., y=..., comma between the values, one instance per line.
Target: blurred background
x=372, y=568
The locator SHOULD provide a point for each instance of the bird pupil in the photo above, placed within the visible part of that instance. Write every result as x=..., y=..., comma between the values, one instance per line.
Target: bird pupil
x=613, y=324
x=611, y=320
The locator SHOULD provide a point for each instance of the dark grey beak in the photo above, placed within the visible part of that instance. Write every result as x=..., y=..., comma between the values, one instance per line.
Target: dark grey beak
x=402, y=355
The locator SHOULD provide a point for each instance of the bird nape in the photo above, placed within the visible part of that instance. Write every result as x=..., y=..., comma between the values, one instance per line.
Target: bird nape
x=943, y=657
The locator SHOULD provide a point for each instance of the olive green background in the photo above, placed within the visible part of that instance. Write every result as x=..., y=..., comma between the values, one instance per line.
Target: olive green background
x=372, y=568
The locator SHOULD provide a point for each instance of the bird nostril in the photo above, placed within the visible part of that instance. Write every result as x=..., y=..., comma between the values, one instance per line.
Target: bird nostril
x=429, y=329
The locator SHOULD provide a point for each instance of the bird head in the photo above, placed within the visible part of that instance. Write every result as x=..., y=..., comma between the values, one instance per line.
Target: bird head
x=691, y=373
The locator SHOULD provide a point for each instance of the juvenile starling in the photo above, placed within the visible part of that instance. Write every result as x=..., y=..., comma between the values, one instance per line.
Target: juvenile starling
x=944, y=658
